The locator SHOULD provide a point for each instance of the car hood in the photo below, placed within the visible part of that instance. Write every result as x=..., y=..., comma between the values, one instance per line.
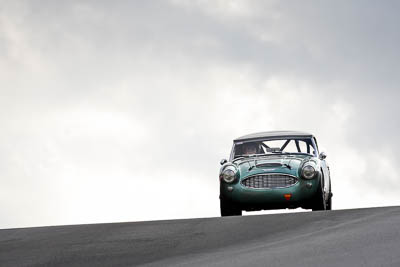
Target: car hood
x=287, y=164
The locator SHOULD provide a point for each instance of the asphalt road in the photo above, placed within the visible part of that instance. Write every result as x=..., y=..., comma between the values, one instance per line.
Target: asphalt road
x=359, y=237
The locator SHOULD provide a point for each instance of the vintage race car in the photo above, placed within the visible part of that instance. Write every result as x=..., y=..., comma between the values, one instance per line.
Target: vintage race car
x=274, y=170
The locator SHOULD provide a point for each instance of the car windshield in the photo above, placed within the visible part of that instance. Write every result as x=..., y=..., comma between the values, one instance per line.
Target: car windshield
x=275, y=146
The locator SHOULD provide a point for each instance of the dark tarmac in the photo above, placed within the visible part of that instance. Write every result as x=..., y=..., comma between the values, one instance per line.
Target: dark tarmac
x=358, y=237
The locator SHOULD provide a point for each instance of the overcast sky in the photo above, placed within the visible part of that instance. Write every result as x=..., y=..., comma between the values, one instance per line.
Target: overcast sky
x=121, y=110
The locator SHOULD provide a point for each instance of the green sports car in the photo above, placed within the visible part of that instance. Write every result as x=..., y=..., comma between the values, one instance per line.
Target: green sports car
x=274, y=170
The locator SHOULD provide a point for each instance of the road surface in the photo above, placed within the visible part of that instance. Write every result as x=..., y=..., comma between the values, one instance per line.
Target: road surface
x=358, y=237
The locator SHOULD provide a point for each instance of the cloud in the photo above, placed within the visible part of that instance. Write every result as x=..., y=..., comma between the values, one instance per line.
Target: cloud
x=122, y=111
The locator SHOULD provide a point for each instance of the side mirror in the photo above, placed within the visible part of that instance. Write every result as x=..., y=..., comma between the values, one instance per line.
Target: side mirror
x=322, y=155
x=223, y=161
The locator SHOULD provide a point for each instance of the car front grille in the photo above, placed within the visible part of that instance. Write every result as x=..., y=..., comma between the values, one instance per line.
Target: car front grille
x=271, y=180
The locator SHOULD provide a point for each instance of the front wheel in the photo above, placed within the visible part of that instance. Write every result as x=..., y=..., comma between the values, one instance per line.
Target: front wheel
x=329, y=204
x=228, y=209
x=319, y=202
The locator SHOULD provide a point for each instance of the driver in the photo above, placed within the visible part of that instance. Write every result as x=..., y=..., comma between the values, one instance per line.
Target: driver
x=250, y=148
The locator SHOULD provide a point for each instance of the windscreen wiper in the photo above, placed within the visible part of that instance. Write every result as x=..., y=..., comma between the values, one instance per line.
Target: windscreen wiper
x=280, y=152
x=247, y=156
x=240, y=157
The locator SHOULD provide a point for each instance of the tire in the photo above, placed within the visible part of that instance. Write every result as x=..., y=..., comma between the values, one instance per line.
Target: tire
x=227, y=209
x=319, y=202
x=329, y=204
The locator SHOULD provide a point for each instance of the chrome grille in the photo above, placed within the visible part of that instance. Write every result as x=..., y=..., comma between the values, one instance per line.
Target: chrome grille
x=271, y=180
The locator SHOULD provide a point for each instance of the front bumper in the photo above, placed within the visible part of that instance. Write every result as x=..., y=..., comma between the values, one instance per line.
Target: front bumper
x=247, y=198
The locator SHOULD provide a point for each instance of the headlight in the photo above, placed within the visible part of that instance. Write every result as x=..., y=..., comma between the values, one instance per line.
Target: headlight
x=308, y=172
x=228, y=175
